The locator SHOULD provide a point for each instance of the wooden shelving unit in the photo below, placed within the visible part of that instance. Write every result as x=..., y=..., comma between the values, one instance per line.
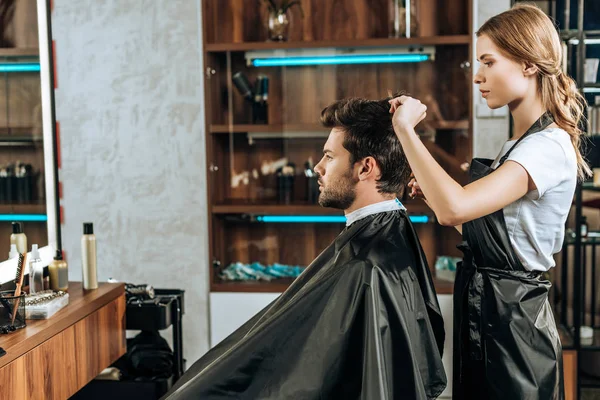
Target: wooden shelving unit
x=250, y=128
x=38, y=208
x=416, y=207
x=295, y=99
x=32, y=52
x=21, y=121
x=377, y=42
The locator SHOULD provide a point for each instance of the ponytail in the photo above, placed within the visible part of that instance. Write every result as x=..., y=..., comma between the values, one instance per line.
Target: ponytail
x=563, y=100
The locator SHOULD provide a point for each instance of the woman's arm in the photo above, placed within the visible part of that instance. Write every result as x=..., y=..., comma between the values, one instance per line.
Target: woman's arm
x=416, y=192
x=453, y=204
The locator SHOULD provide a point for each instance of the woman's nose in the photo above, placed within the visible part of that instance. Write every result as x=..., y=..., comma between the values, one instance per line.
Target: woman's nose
x=478, y=79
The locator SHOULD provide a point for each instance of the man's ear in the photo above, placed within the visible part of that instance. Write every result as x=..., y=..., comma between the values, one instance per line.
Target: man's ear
x=529, y=69
x=368, y=168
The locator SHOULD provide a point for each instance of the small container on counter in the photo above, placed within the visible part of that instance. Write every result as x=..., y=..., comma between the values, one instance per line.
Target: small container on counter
x=59, y=273
x=88, y=257
x=36, y=271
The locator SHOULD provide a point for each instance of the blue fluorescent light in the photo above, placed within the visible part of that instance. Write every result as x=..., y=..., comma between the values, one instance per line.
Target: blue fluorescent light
x=301, y=218
x=20, y=67
x=24, y=217
x=334, y=60
x=419, y=219
x=307, y=219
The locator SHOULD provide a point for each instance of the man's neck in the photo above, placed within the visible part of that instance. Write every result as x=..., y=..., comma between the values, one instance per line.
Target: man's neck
x=367, y=200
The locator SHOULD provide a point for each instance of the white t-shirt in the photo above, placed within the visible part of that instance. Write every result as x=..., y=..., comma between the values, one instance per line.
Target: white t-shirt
x=536, y=222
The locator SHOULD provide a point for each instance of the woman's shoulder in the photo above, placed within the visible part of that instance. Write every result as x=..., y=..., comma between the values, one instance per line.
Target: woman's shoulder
x=556, y=142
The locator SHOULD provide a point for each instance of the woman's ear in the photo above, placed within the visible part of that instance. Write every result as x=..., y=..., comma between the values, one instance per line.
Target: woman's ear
x=529, y=69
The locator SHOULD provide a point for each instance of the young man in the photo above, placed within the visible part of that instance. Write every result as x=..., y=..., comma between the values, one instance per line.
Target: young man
x=363, y=321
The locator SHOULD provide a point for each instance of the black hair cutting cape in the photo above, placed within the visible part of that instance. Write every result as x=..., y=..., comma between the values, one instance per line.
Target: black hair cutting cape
x=362, y=322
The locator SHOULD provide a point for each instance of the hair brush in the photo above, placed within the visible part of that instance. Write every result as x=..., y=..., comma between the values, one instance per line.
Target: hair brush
x=19, y=282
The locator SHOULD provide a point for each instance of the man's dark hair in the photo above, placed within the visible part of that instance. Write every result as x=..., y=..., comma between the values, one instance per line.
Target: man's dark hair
x=368, y=132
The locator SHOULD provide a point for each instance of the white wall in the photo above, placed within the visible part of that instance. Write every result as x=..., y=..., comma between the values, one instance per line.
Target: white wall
x=490, y=129
x=131, y=111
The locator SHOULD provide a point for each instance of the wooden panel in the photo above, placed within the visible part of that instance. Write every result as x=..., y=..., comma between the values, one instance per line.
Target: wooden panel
x=353, y=43
x=20, y=99
x=60, y=366
x=298, y=94
x=81, y=304
x=276, y=243
x=570, y=374
x=21, y=31
x=236, y=21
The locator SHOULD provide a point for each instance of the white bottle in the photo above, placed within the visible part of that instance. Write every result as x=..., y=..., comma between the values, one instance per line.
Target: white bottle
x=88, y=257
x=13, y=252
x=18, y=238
x=36, y=271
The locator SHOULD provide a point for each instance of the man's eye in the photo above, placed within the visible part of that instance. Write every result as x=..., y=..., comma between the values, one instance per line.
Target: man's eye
x=329, y=157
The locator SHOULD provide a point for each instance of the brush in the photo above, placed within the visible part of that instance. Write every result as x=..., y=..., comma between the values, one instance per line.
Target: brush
x=19, y=283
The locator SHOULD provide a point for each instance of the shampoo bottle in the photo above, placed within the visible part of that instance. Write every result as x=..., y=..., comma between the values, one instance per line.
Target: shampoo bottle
x=18, y=237
x=88, y=257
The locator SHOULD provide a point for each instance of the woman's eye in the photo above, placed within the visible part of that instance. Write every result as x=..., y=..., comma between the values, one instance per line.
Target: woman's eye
x=488, y=64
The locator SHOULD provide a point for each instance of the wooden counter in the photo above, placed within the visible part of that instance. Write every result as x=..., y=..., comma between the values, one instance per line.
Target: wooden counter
x=54, y=358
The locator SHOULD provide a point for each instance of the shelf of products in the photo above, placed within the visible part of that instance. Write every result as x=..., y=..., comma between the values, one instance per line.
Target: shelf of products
x=264, y=99
x=22, y=166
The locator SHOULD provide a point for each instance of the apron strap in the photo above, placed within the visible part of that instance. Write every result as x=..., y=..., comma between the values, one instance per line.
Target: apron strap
x=542, y=123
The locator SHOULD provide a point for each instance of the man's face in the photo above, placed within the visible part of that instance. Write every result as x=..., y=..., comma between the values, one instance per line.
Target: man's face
x=337, y=180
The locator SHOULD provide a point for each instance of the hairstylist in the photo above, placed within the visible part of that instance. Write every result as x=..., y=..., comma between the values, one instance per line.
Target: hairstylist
x=512, y=214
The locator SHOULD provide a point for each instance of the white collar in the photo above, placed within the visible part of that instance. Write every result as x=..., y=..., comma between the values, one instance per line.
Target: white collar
x=382, y=206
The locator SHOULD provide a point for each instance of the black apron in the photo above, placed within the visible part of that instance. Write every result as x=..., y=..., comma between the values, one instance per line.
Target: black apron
x=506, y=345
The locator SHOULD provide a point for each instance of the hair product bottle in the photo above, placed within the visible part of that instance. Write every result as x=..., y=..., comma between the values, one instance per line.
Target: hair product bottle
x=18, y=237
x=88, y=257
x=36, y=271
x=59, y=273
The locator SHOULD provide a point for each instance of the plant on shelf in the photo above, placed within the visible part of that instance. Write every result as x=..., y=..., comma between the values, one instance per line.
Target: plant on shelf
x=279, y=20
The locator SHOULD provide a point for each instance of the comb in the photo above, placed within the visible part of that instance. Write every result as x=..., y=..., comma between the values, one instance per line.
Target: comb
x=19, y=282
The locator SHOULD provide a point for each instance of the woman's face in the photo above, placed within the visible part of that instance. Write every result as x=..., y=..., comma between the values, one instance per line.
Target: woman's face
x=501, y=80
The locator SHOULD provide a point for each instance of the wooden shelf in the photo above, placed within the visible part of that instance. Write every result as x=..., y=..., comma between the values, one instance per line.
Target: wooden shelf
x=281, y=285
x=38, y=208
x=413, y=207
x=380, y=42
x=19, y=52
x=20, y=141
x=275, y=209
x=81, y=304
x=252, y=128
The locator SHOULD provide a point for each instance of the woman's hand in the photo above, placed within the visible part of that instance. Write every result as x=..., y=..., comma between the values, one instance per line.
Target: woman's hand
x=415, y=189
x=408, y=112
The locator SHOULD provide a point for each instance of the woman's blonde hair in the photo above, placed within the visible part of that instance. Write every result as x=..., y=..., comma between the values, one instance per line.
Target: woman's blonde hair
x=526, y=34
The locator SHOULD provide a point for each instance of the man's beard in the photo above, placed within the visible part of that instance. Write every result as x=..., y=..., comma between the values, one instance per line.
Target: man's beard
x=340, y=194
